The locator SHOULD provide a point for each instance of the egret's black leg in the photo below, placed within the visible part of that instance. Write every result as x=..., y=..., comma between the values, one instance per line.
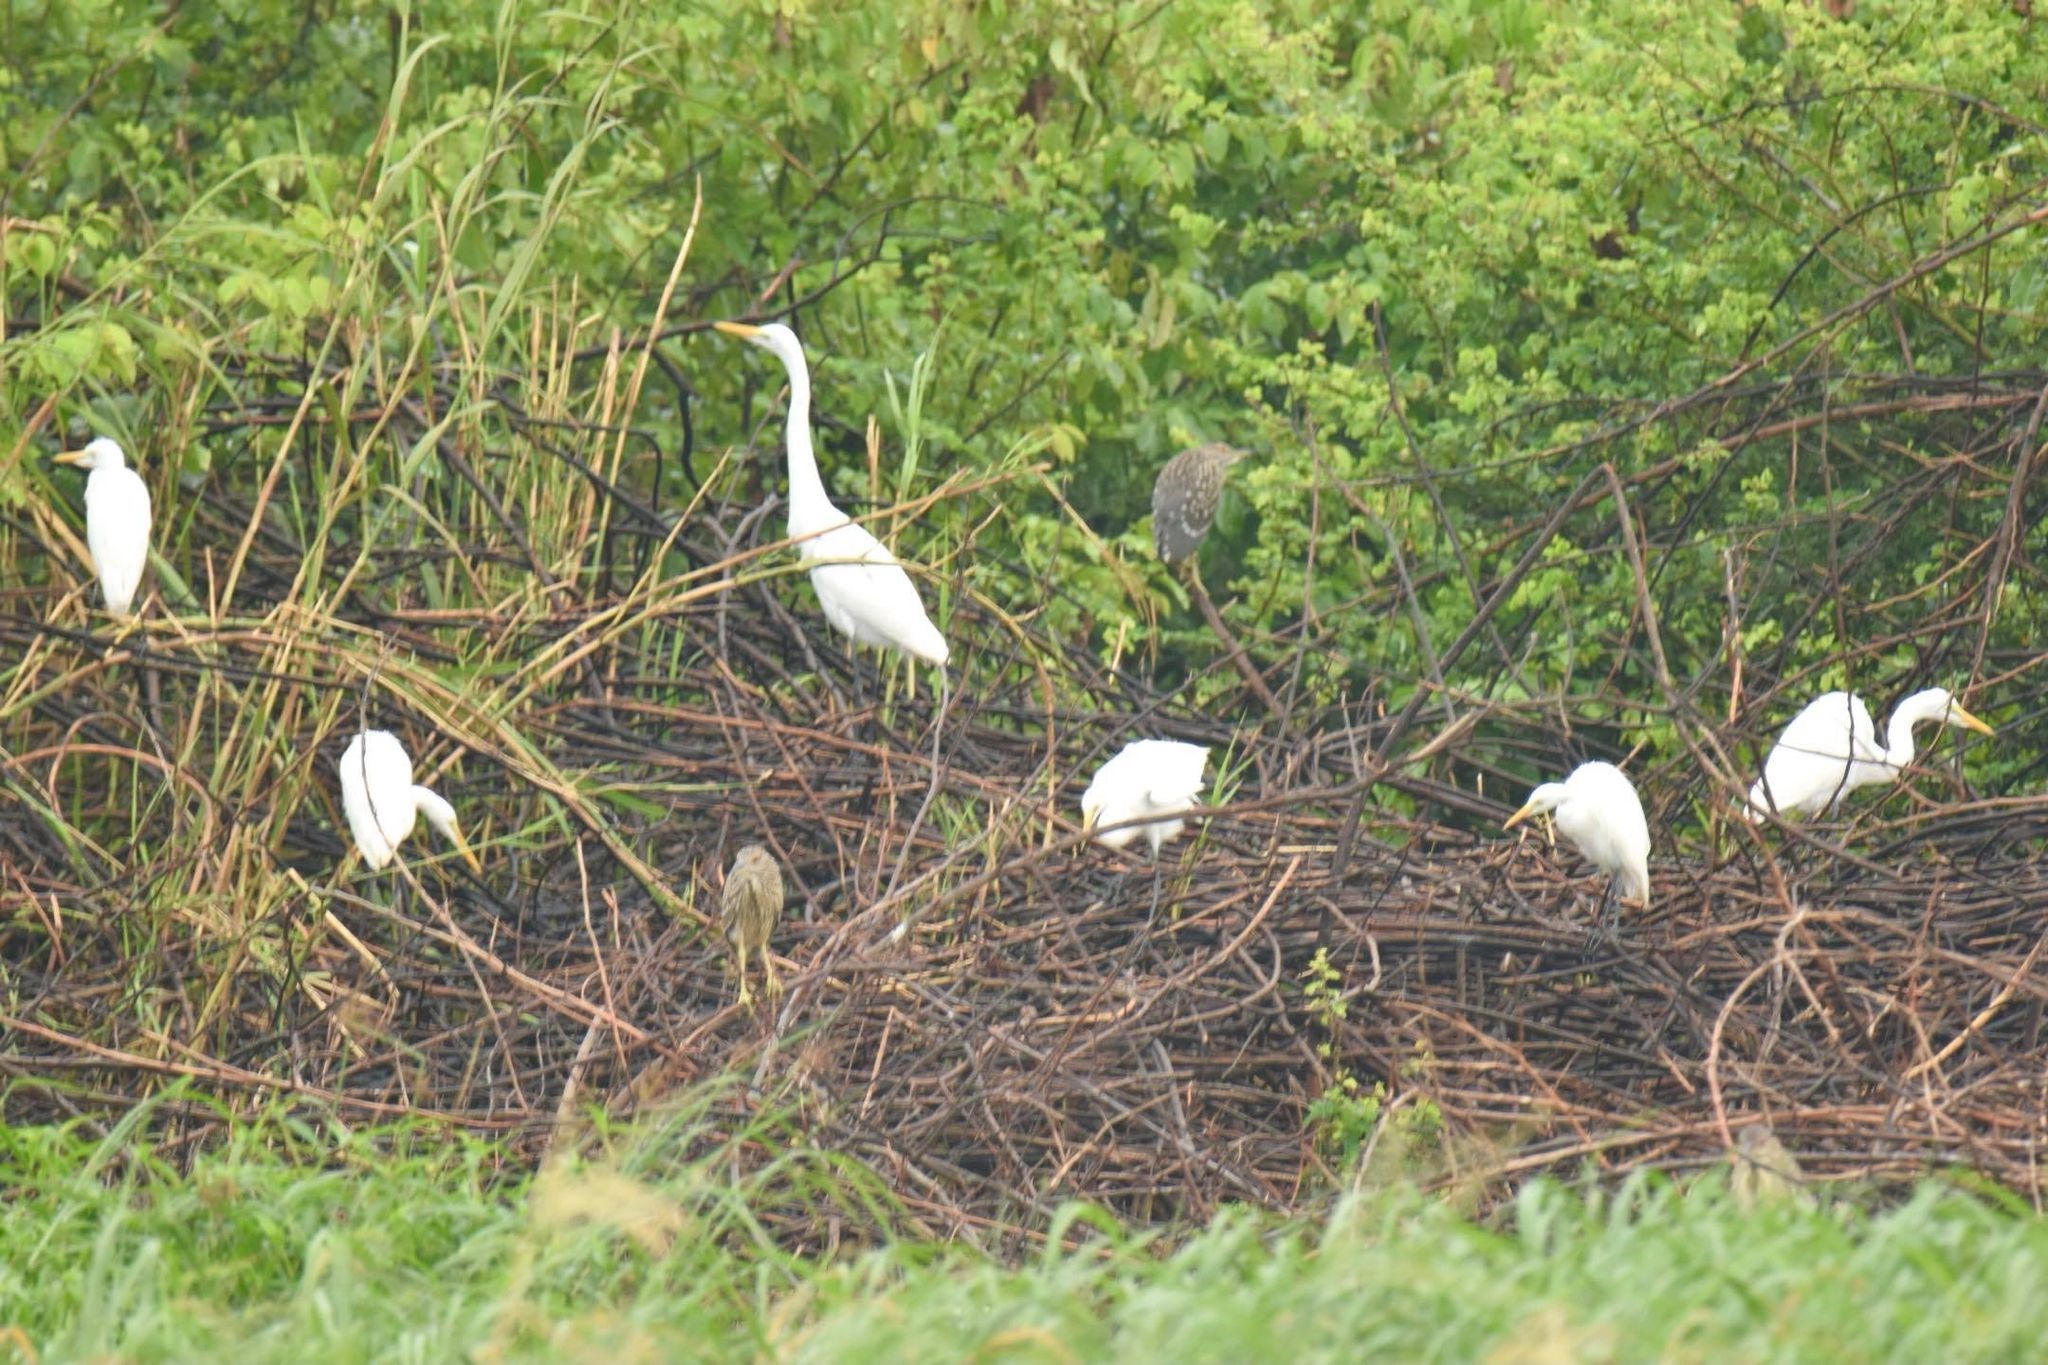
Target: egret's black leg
x=931, y=789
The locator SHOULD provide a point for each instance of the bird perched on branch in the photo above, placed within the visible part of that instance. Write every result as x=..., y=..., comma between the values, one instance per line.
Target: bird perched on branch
x=866, y=595
x=116, y=520
x=1185, y=497
x=1830, y=749
x=1149, y=777
x=381, y=802
x=747, y=910
x=1598, y=810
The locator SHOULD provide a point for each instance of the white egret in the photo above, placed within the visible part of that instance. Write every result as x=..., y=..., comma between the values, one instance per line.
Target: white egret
x=866, y=595
x=116, y=520
x=748, y=908
x=1598, y=810
x=381, y=802
x=1149, y=777
x=1830, y=749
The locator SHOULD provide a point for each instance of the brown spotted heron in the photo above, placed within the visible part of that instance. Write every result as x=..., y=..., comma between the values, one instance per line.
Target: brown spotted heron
x=1185, y=498
x=751, y=904
x=1184, y=501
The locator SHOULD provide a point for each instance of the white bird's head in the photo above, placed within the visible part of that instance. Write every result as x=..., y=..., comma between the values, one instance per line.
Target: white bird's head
x=1542, y=801
x=1938, y=703
x=103, y=453
x=771, y=336
x=441, y=816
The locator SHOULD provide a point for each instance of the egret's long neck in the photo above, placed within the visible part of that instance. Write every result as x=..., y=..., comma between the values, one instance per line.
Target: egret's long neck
x=438, y=813
x=809, y=507
x=1898, y=734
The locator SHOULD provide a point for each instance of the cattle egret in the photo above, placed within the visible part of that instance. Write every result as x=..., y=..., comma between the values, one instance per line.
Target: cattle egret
x=116, y=521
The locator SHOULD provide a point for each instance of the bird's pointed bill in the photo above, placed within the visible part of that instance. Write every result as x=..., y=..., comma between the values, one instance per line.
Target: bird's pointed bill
x=1519, y=816
x=81, y=456
x=1959, y=716
x=468, y=854
x=741, y=330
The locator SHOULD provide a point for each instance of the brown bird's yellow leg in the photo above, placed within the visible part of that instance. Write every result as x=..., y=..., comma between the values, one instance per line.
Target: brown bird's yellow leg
x=768, y=970
x=746, y=992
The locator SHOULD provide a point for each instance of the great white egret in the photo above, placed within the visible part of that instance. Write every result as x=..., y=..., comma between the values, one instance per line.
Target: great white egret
x=866, y=595
x=1598, y=810
x=750, y=905
x=381, y=802
x=1185, y=497
x=116, y=520
x=1830, y=749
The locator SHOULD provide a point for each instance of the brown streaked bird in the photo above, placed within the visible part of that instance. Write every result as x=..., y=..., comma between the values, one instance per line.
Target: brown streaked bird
x=1762, y=1171
x=751, y=904
x=1185, y=498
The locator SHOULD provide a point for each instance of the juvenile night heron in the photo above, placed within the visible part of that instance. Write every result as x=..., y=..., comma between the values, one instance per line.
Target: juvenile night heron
x=1156, y=777
x=748, y=909
x=116, y=520
x=1185, y=498
x=1598, y=810
x=866, y=595
x=1762, y=1171
x=381, y=802
x=1830, y=749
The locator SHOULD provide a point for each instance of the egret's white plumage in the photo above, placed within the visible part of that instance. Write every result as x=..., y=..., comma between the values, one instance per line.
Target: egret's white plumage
x=864, y=591
x=116, y=520
x=1598, y=810
x=381, y=802
x=1149, y=777
x=1830, y=749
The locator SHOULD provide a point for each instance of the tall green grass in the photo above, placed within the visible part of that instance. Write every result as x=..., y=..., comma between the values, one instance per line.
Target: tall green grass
x=296, y=1242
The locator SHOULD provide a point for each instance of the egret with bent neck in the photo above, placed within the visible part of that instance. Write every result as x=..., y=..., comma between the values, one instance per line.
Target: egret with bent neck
x=1830, y=749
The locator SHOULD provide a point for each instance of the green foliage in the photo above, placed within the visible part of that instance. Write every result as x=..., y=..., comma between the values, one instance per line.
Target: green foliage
x=1347, y=1115
x=293, y=1242
x=1145, y=226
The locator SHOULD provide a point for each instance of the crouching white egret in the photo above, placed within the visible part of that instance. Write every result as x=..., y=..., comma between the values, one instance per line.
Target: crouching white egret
x=748, y=908
x=1598, y=810
x=1159, y=777
x=116, y=520
x=866, y=595
x=1830, y=749
x=381, y=802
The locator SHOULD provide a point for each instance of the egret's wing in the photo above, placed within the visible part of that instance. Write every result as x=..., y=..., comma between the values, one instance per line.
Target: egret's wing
x=1863, y=736
x=376, y=792
x=117, y=516
x=860, y=583
x=1810, y=765
x=1177, y=773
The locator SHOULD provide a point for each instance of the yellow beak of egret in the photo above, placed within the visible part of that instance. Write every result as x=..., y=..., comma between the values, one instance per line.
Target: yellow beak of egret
x=1091, y=816
x=79, y=457
x=468, y=855
x=736, y=329
x=1519, y=816
x=1963, y=718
